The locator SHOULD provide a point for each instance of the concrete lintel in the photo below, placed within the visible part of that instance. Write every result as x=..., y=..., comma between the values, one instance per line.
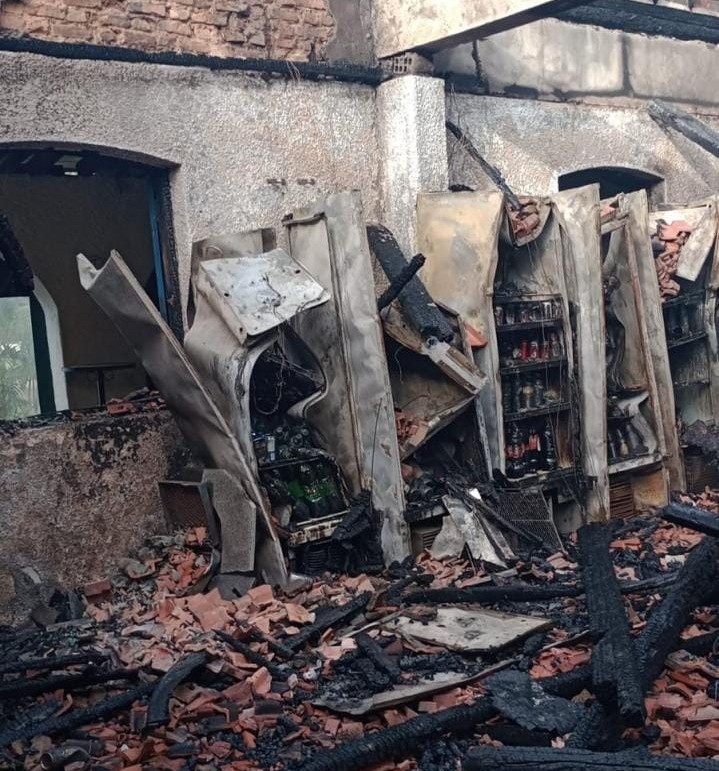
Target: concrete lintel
x=429, y=25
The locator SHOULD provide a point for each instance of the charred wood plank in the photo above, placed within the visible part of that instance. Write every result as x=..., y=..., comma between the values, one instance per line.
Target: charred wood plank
x=52, y=662
x=655, y=583
x=77, y=718
x=277, y=672
x=420, y=309
x=397, y=741
x=405, y=275
x=515, y=592
x=158, y=710
x=544, y=759
x=615, y=672
x=696, y=519
x=34, y=686
x=692, y=128
x=695, y=584
x=377, y=656
x=568, y=684
x=327, y=617
x=489, y=169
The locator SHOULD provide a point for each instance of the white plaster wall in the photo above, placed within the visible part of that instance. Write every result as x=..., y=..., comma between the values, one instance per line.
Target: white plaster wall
x=411, y=135
x=533, y=142
x=245, y=150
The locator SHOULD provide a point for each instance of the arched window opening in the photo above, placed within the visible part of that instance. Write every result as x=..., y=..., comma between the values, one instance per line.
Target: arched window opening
x=64, y=350
x=613, y=180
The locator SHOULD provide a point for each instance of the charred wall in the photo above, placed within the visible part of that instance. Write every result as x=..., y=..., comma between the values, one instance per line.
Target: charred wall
x=77, y=495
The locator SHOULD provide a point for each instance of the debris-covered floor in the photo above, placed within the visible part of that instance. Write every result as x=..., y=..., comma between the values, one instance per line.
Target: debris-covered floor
x=416, y=667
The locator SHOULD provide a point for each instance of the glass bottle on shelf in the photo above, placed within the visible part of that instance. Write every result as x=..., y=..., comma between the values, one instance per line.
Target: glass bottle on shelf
x=550, y=453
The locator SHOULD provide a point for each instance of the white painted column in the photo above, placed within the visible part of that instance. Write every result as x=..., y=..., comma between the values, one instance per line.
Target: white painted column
x=412, y=149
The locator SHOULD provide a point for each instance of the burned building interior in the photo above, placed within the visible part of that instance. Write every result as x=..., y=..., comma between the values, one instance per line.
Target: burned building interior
x=359, y=385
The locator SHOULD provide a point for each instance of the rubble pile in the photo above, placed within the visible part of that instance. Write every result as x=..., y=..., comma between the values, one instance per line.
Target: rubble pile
x=428, y=665
x=525, y=220
x=667, y=244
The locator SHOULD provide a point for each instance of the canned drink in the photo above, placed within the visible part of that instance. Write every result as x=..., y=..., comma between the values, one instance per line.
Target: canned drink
x=499, y=315
x=510, y=315
x=524, y=314
x=545, y=352
x=548, y=310
x=534, y=350
x=524, y=350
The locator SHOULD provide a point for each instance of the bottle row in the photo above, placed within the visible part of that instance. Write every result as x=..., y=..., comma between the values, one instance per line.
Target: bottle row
x=530, y=450
x=624, y=442
x=536, y=349
x=309, y=488
x=530, y=394
x=525, y=312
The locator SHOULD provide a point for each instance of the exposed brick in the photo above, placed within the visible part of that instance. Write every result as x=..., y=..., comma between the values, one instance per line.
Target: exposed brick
x=210, y=17
x=84, y=3
x=180, y=13
x=281, y=28
x=38, y=26
x=175, y=27
x=51, y=11
x=75, y=32
x=77, y=15
x=147, y=7
x=233, y=6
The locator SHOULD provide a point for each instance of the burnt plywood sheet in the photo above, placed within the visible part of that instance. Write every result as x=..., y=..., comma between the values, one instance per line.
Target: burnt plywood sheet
x=469, y=631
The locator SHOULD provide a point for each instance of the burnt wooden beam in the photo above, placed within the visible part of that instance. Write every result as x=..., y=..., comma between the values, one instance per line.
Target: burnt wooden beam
x=405, y=276
x=77, y=718
x=693, y=518
x=34, y=686
x=668, y=116
x=421, y=311
x=694, y=586
x=615, y=673
x=327, y=617
x=400, y=740
x=375, y=653
x=515, y=592
x=52, y=662
x=645, y=19
x=539, y=758
x=158, y=710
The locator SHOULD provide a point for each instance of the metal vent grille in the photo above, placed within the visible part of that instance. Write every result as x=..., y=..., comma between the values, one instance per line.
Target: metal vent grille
x=316, y=557
x=528, y=511
x=423, y=535
x=621, y=499
x=185, y=503
x=700, y=474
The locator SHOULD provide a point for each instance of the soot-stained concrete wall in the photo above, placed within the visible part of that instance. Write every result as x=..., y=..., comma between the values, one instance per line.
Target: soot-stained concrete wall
x=533, y=142
x=243, y=150
x=78, y=495
x=550, y=59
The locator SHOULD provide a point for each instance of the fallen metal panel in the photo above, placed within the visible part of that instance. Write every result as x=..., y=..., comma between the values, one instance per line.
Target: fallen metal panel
x=356, y=414
x=470, y=631
x=255, y=293
x=118, y=293
x=478, y=543
x=578, y=215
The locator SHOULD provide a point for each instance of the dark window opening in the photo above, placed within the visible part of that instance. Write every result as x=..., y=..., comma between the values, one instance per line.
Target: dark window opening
x=64, y=352
x=613, y=180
